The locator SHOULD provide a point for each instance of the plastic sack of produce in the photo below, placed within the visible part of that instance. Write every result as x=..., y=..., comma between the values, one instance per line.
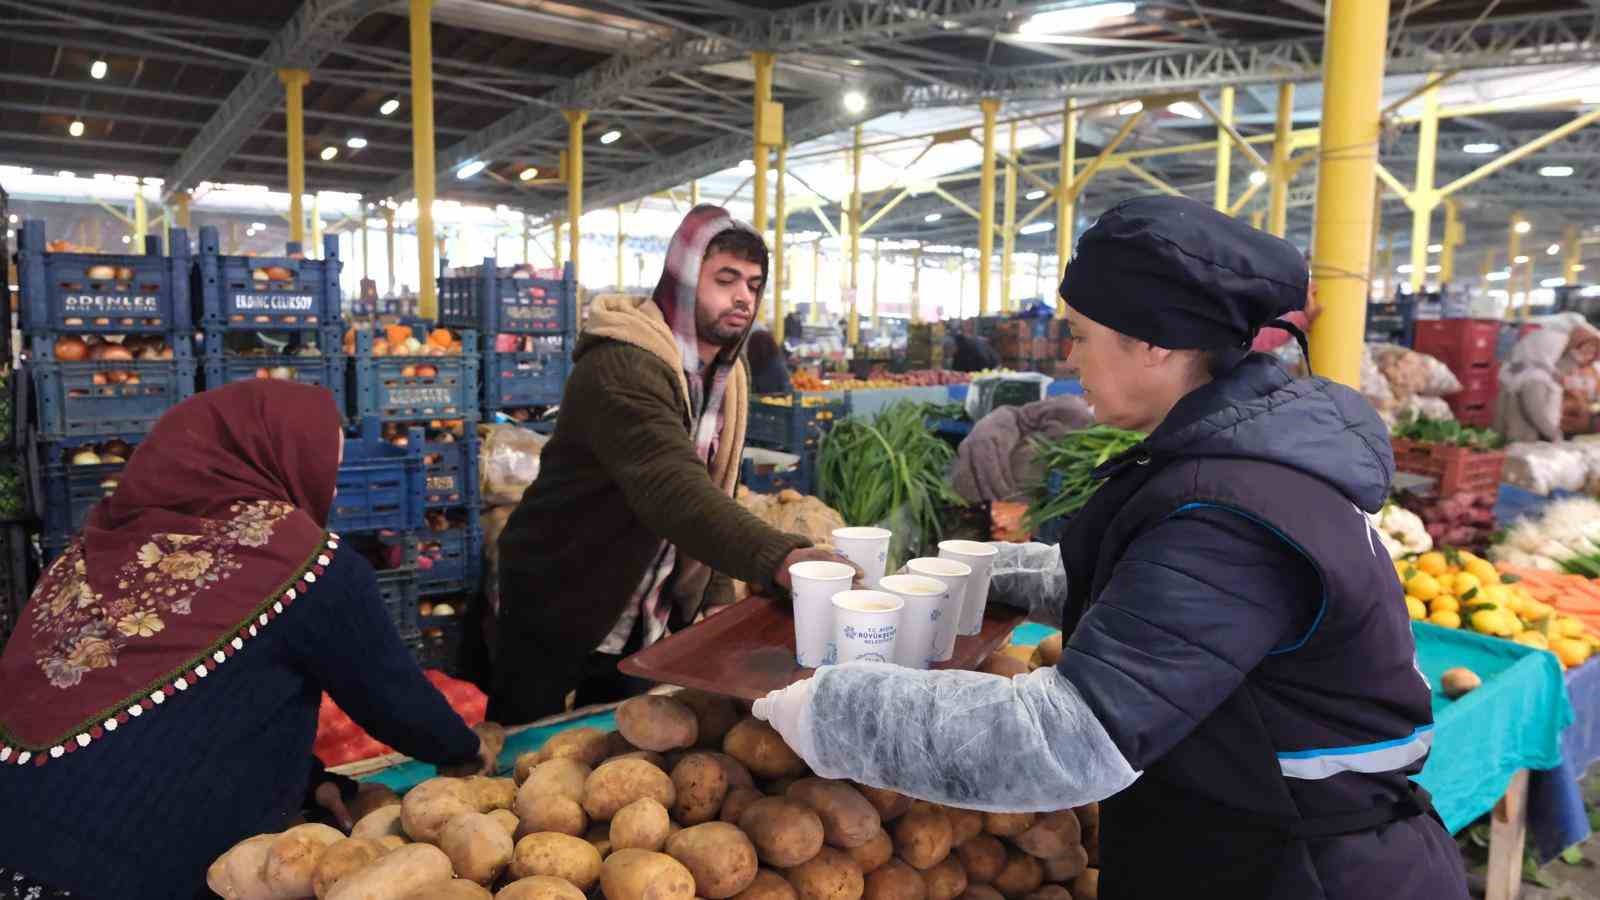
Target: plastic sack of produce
x=340, y=740
x=1420, y=407
x=1374, y=385
x=1544, y=467
x=508, y=463
x=1412, y=373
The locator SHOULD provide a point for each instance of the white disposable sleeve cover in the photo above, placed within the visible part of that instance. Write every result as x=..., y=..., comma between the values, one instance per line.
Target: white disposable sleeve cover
x=963, y=739
x=1032, y=577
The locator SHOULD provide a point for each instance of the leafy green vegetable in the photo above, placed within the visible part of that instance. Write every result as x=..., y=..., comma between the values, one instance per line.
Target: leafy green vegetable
x=1073, y=458
x=1437, y=431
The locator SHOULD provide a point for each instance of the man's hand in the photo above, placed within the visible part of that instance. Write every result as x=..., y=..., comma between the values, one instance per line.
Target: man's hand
x=484, y=764
x=327, y=797
x=811, y=554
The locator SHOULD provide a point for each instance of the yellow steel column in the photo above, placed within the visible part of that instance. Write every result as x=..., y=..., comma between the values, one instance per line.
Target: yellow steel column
x=1352, y=85
x=388, y=232
x=366, y=255
x=1571, y=254
x=294, y=83
x=576, y=119
x=763, y=96
x=916, y=283
x=694, y=193
x=989, y=106
x=141, y=217
x=1258, y=219
x=1452, y=237
x=780, y=265
x=816, y=282
x=233, y=239
x=1423, y=196
x=855, y=236
x=619, y=247
x=1485, y=267
x=183, y=199
x=422, y=159
x=1066, y=201
x=315, y=250
x=555, y=239
x=877, y=261
x=1224, y=150
x=1278, y=200
x=527, y=241
x=1008, y=223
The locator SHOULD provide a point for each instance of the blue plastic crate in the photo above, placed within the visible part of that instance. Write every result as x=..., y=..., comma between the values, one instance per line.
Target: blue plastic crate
x=61, y=494
x=397, y=588
x=512, y=380
x=494, y=303
x=266, y=293
x=380, y=485
x=795, y=428
x=95, y=293
x=382, y=389
x=458, y=567
x=220, y=367
x=450, y=476
x=71, y=404
x=439, y=646
x=802, y=478
x=1392, y=322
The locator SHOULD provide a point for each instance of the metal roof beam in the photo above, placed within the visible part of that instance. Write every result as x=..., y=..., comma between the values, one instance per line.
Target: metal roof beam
x=308, y=37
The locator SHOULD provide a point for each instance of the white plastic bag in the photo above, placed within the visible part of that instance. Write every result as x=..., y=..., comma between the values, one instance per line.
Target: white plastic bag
x=508, y=463
x=1543, y=467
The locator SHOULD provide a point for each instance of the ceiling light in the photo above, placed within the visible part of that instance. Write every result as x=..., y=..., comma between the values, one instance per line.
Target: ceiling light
x=1498, y=276
x=1404, y=269
x=97, y=69
x=932, y=217
x=126, y=239
x=388, y=107
x=1034, y=195
x=611, y=137
x=12, y=218
x=470, y=169
x=1037, y=228
x=1480, y=149
x=329, y=153
x=1432, y=270
x=356, y=143
x=1186, y=109
x=1067, y=21
x=529, y=174
x=1520, y=260
x=1552, y=282
x=1523, y=226
x=854, y=101
x=1552, y=250
x=1258, y=177
x=1128, y=109
x=1435, y=248
x=1555, y=171
x=76, y=128
x=65, y=174
x=1578, y=268
x=258, y=226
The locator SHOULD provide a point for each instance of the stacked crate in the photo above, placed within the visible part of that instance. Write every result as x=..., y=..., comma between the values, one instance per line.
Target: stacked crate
x=1032, y=345
x=377, y=508
x=925, y=346
x=132, y=312
x=527, y=326
x=793, y=423
x=1392, y=323
x=1468, y=348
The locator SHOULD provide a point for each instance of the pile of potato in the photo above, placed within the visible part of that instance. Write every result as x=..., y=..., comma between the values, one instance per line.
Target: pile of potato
x=687, y=799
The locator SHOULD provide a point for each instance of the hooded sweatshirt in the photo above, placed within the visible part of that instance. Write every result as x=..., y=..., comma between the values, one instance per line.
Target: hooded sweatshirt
x=1529, y=406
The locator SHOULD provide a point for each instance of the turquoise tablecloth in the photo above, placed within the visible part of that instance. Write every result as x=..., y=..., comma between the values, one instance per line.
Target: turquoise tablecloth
x=405, y=776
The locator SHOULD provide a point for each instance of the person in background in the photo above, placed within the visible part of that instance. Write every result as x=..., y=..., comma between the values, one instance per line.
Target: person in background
x=1580, y=383
x=162, y=686
x=1542, y=367
x=768, y=373
x=973, y=354
x=631, y=529
x=794, y=328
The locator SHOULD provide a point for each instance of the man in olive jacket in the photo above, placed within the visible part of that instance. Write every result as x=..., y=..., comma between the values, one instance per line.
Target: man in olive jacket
x=631, y=529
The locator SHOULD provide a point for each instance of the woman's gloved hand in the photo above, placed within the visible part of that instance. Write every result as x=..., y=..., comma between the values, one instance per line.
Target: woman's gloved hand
x=788, y=711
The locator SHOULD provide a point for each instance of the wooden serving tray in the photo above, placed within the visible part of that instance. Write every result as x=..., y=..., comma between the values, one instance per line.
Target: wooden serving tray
x=747, y=651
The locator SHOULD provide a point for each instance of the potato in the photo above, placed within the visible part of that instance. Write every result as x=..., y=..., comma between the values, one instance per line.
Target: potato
x=785, y=833
x=769, y=885
x=1021, y=652
x=641, y=825
x=1089, y=822
x=980, y=892
x=983, y=857
x=923, y=838
x=395, y=874
x=642, y=875
x=392, y=842
x=1021, y=875
x=381, y=821
x=1050, y=836
x=539, y=887
x=1008, y=824
x=830, y=875
x=654, y=722
x=620, y=782
x=478, y=847
x=586, y=745
x=1087, y=885
x=702, y=784
x=779, y=787
x=718, y=855
x=947, y=880
x=965, y=823
x=340, y=859
x=890, y=805
x=526, y=762
x=1050, y=650
x=874, y=853
x=563, y=777
x=1067, y=866
x=649, y=756
x=895, y=881
x=239, y=873
x=848, y=819
x=292, y=859
x=492, y=793
x=737, y=774
x=506, y=819
x=449, y=889
x=550, y=812
x=759, y=748
x=1050, y=892
x=714, y=715
x=617, y=745
x=426, y=807
x=372, y=796
x=1004, y=666
x=739, y=799
x=557, y=855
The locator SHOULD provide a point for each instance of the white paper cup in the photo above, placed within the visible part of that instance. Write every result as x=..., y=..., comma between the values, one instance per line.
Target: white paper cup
x=867, y=548
x=953, y=574
x=981, y=558
x=919, y=622
x=866, y=625
x=813, y=584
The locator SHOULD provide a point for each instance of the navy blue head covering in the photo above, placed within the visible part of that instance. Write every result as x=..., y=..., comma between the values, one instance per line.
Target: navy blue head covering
x=1178, y=274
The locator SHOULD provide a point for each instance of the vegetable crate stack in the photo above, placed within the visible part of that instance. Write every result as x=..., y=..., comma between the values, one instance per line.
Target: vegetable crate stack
x=925, y=346
x=377, y=507
x=527, y=326
x=109, y=345
x=791, y=423
x=1468, y=347
x=1392, y=323
x=1466, y=463
x=267, y=317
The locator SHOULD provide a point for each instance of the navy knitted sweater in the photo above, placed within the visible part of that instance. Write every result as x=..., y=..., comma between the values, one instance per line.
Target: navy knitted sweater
x=143, y=812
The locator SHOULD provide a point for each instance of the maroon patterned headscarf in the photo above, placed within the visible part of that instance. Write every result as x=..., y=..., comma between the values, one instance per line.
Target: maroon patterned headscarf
x=218, y=523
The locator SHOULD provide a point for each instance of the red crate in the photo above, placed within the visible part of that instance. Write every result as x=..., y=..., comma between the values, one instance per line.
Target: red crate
x=1479, y=383
x=1457, y=469
x=1460, y=343
x=1476, y=414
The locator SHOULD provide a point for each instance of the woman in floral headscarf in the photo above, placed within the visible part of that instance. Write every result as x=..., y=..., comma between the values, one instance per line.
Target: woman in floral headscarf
x=161, y=690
